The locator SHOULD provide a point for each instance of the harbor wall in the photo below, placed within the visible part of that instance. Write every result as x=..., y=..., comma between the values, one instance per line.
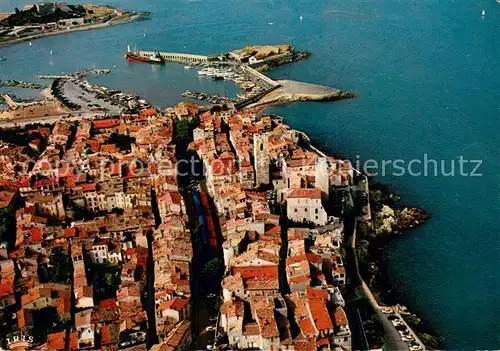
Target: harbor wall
x=254, y=74
x=179, y=57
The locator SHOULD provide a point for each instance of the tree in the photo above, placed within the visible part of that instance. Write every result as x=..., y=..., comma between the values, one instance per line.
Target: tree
x=58, y=270
x=122, y=141
x=212, y=274
x=7, y=222
x=47, y=321
x=182, y=131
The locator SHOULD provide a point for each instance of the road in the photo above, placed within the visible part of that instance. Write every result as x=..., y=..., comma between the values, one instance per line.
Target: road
x=71, y=116
x=392, y=338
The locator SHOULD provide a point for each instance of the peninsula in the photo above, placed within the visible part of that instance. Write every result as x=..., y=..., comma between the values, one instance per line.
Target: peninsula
x=115, y=233
x=191, y=227
x=52, y=18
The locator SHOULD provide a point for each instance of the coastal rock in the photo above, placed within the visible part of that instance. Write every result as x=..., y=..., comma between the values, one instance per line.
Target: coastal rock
x=431, y=342
x=388, y=220
x=292, y=91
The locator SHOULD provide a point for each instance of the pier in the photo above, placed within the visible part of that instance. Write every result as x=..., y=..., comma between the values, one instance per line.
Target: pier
x=81, y=74
x=179, y=57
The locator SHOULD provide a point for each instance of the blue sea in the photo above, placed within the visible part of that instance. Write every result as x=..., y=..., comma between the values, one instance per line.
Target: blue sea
x=427, y=78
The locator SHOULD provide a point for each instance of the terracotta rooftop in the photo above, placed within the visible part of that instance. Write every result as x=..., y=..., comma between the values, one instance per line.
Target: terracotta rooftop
x=56, y=341
x=340, y=316
x=251, y=329
x=267, y=323
x=233, y=308
x=305, y=194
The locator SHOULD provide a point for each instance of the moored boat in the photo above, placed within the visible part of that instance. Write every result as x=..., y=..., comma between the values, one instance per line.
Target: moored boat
x=135, y=56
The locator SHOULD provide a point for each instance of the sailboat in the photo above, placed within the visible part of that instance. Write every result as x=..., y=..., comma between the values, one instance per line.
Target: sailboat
x=51, y=52
x=484, y=13
x=30, y=43
x=301, y=18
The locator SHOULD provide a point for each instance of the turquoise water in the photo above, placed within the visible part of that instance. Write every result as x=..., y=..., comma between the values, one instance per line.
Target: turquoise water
x=427, y=77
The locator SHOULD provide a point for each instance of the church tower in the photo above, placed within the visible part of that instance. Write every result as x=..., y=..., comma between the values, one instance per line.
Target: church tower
x=321, y=177
x=261, y=158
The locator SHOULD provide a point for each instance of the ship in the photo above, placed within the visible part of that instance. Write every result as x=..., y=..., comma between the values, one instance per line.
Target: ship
x=135, y=56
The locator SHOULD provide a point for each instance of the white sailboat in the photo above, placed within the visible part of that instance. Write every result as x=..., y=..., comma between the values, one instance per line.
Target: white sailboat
x=30, y=43
x=483, y=13
x=301, y=18
x=51, y=52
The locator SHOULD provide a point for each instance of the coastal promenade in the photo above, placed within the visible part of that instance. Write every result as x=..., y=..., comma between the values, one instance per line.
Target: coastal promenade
x=82, y=28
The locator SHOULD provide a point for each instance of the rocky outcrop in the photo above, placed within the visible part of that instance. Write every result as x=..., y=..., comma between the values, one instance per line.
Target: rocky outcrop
x=293, y=91
x=389, y=220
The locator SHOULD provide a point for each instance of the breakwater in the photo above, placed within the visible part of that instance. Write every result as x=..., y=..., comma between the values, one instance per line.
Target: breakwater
x=21, y=84
x=178, y=57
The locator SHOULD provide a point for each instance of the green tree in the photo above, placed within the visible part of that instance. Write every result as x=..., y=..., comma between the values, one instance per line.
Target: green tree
x=58, y=270
x=47, y=321
x=182, y=131
x=212, y=274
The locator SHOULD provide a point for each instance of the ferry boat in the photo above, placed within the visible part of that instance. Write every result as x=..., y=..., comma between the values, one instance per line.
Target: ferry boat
x=134, y=56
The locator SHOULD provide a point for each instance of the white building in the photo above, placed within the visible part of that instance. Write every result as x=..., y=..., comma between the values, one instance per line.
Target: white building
x=99, y=253
x=304, y=206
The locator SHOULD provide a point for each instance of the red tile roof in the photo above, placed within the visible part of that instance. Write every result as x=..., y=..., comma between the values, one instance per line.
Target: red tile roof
x=150, y=112
x=256, y=271
x=106, y=123
x=320, y=315
x=307, y=326
x=305, y=194
x=251, y=329
x=340, y=316
x=107, y=304
x=313, y=258
x=267, y=323
x=56, y=341
x=233, y=308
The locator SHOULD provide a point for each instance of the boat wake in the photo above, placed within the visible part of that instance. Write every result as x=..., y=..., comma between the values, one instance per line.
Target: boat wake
x=350, y=14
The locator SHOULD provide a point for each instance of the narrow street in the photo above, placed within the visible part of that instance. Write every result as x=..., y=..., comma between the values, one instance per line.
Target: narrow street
x=204, y=303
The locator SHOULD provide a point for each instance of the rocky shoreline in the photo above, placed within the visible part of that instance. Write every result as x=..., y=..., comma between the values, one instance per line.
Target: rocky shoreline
x=298, y=56
x=294, y=91
x=389, y=221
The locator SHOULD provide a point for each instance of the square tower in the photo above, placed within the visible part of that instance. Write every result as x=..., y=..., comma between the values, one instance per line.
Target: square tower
x=261, y=158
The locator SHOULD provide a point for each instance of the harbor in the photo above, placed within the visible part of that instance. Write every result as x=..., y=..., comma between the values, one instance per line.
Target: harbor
x=410, y=99
x=244, y=67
